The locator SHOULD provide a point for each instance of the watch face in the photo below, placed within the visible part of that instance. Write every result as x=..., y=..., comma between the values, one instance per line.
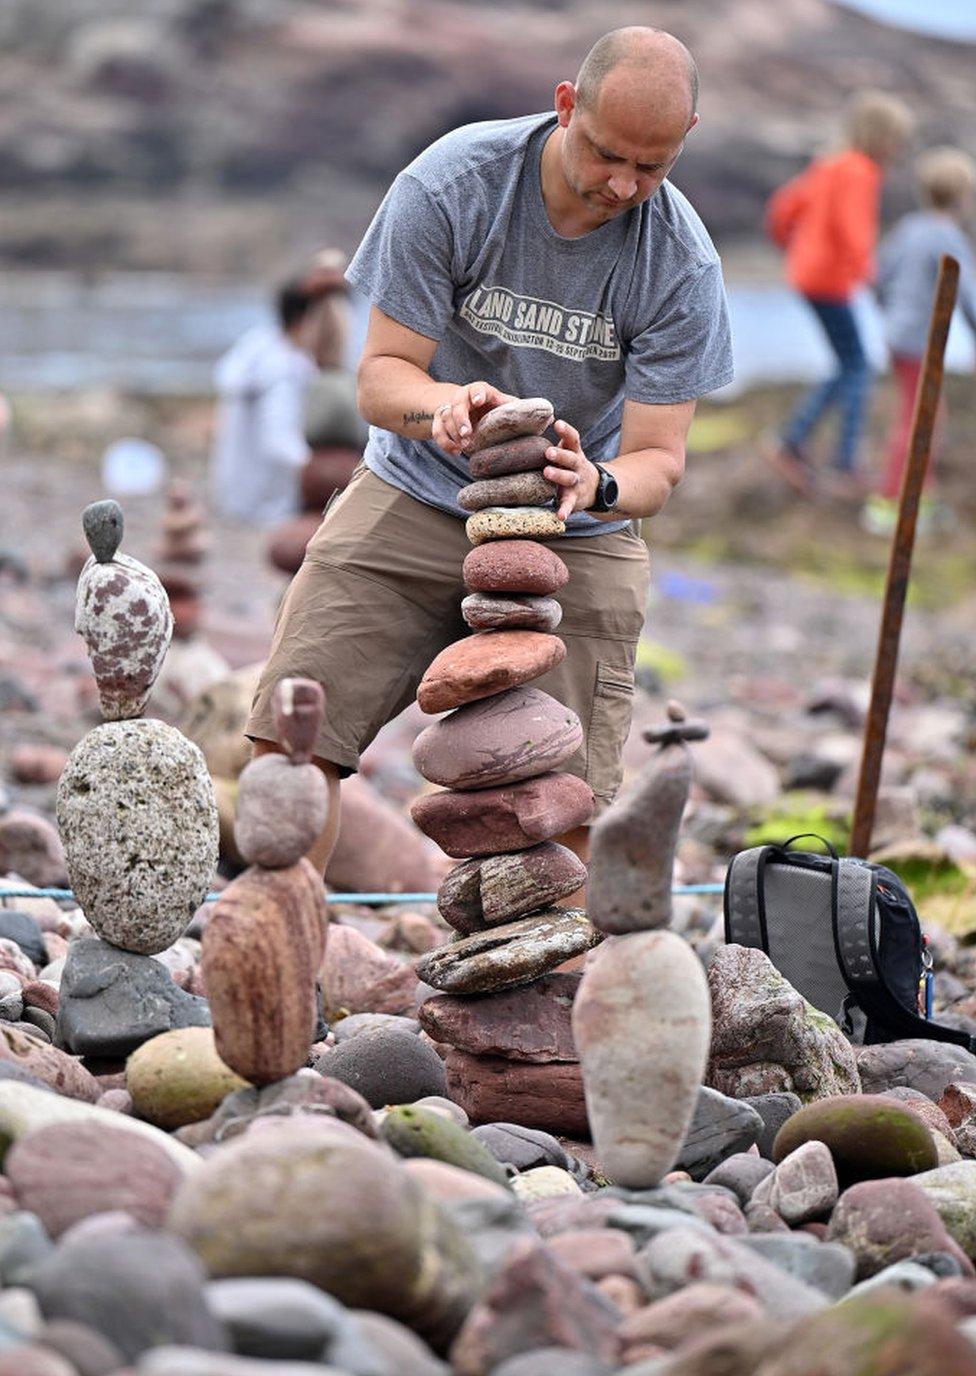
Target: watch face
x=608, y=491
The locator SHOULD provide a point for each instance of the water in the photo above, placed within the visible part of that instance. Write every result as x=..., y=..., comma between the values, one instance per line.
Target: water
x=162, y=334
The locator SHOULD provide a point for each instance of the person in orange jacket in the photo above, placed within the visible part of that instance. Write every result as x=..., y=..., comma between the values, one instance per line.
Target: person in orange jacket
x=826, y=219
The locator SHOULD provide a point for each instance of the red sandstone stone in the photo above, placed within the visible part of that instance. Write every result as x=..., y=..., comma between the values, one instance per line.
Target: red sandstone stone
x=491, y=1089
x=531, y=1023
x=481, y=665
x=498, y=740
x=524, y=455
x=486, y=821
x=519, y=566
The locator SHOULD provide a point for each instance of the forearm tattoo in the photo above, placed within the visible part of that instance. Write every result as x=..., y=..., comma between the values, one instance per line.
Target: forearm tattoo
x=415, y=417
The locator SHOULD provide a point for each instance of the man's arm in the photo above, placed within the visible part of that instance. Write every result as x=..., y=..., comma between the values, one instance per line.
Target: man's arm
x=396, y=392
x=649, y=463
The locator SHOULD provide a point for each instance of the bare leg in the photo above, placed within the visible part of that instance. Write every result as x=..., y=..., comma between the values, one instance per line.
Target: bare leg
x=322, y=848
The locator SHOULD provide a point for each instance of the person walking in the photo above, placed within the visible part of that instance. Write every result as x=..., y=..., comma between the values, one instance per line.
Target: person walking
x=826, y=220
x=908, y=265
x=543, y=255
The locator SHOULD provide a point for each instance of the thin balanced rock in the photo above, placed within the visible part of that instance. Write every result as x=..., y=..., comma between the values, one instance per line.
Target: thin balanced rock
x=510, y=421
x=641, y=1023
x=514, y=566
x=123, y=614
x=486, y=821
x=512, y=954
x=514, y=489
x=513, y=523
x=490, y=612
x=498, y=740
x=485, y=664
x=481, y=893
x=262, y=949
x=283, y=800
x=527, y=454
x=632, y=845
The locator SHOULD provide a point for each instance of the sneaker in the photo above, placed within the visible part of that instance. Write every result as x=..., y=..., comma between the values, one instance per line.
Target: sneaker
x=879, y=515
x=790, y=463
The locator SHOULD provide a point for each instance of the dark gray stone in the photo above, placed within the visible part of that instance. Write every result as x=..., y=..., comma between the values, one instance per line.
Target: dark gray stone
x=139, y=1290
x=492, y=1227
x=740, y=1174
x=918, y=1063
x=22, y=928
x=546, y=1361
x=24, y=1244
x=104, y=526
x=941, y=1264
x=720, y=1127
x=113, y=1000
x=277, y=1316
x=773, y=1109
x=523, y=1148
x=386, y=1067
x=827, y=1266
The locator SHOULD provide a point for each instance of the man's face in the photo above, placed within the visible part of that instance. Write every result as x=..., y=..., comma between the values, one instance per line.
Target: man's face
x=616, y=155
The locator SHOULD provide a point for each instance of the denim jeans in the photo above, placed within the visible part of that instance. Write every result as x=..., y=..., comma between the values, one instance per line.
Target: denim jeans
x=847, y=389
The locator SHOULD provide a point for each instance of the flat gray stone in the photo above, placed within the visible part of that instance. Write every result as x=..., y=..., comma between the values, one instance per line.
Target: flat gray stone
x=112, y=1001
x=773, y=1109
x=284, y=1318
x=827, y=1266
x=720, y=1127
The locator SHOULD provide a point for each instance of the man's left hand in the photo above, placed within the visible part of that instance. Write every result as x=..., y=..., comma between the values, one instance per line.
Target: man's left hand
x=570, y=468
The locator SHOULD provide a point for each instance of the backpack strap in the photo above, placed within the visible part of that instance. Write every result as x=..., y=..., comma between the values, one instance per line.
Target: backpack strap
x=745, y=908
x=857, y=951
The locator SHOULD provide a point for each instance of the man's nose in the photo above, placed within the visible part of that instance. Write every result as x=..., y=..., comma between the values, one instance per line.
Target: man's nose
x=623, y=187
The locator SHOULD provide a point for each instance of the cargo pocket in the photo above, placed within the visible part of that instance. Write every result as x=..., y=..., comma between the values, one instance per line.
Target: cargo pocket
x=613, y=706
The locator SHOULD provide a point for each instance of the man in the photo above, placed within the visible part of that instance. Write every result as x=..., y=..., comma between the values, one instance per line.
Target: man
x=259, y=444
x=541, y=256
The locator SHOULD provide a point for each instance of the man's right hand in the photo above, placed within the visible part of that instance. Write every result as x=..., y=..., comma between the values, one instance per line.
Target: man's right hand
x=455, y=419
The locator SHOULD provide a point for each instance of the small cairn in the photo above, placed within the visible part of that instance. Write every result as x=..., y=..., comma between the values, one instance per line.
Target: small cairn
x=642, y=1017
x=181, y=550
x=265, y=940
x=498, y=755
x=135, y=804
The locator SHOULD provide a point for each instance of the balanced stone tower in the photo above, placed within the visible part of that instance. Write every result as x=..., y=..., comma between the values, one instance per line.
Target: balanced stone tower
x=179, y=554
x=265, y=940
x=135, y=805
x=498, y=754
x=642, y=1017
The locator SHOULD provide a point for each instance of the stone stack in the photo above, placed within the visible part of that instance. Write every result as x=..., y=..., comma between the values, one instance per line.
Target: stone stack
x=498, y=755
x=264, y=942
x=642, y=1019
x=136, y=812
x=180, y=553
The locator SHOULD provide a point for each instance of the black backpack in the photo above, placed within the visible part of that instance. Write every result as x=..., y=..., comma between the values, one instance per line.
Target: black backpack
x=844, y=932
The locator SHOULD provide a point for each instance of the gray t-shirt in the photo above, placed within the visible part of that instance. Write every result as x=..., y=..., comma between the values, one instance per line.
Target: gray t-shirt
x=908, y=265
x=461, y=251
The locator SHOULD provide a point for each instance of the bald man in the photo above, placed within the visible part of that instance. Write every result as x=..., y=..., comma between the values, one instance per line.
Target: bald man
x=540, y=256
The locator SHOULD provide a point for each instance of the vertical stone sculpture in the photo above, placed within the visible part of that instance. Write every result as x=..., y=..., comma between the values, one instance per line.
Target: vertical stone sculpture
x=180, y=552
x=135, y=804
x=499, y=752
x=642, y=1016
x=265, y=940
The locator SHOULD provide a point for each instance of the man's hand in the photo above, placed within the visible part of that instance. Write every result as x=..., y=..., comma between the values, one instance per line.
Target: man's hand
x=572, y=471
x=455, y=419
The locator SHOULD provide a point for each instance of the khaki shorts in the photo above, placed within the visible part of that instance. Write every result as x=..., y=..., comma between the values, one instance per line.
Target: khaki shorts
x=379, y=595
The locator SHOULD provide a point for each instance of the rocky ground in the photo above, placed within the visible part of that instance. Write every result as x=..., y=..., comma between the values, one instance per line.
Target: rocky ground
x=423, y=1195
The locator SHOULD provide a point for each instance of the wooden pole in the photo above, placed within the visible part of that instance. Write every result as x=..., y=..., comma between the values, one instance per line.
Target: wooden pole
x=900, y=561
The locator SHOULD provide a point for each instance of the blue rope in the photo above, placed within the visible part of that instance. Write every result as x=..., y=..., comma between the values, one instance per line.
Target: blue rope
x=377, y=899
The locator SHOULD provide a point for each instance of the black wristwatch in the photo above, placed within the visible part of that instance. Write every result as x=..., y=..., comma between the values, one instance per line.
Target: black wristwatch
x=607, y=490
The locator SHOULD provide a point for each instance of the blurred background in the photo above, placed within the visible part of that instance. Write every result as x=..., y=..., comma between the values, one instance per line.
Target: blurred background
x=164, y=166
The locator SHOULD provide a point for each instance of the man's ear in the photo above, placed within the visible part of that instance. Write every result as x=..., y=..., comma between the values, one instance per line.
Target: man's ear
x=565, y=102
x=694, y=120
